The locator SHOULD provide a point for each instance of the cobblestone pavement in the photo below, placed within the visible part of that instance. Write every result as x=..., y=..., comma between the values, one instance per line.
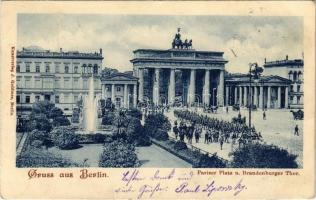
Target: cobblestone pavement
x=277, y=129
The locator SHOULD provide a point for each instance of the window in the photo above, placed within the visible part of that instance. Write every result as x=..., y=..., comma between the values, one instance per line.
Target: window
x=76, y=69
x=57, y=68
x=66, y=98
x=27, y=99
x=67, y=83
x=18, y=99
x=38, y=83
x=37, y=68
x=118, y=89
x=37, y=98
x=66, y=69
x=57, y=99
x=57, y=83
x=27, y=68
x=76, y=83
x=298, y=88
x=47, y=70
x=291, y=89
x=298, y=99
x=27, y=83
x=18, y=68
x=95, y=69
x=47, y=83
x=85, y=84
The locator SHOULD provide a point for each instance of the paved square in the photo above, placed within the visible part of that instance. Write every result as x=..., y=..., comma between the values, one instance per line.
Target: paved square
x=277, y=129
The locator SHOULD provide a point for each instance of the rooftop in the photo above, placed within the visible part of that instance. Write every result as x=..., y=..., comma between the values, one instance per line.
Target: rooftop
x=177, y=55
x=285, y=62
x=245, y=78
x=41, y=53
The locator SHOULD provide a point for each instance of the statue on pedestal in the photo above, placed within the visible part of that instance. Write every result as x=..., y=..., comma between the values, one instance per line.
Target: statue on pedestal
x=178, y=44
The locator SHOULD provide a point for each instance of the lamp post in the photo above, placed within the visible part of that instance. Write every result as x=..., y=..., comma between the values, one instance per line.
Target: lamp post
x=254, y=70
x=213, y=96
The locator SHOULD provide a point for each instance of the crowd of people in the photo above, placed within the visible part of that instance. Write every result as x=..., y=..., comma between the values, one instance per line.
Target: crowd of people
x=214, y=130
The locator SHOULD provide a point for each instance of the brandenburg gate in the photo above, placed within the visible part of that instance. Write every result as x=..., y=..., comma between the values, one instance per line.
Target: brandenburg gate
x=180, y=74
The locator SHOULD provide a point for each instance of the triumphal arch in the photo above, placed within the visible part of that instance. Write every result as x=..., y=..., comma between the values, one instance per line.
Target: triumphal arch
x=180, y=74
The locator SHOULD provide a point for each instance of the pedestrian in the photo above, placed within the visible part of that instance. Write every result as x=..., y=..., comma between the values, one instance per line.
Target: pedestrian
x=226, y=109
x=221, y=142
x=264, y=115
x=197, y=134
x=176, y=131
x=206, y=140
x=296, y=130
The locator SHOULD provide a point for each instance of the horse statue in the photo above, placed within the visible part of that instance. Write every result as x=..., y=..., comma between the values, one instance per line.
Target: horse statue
x=189, y=46
x=177, y=43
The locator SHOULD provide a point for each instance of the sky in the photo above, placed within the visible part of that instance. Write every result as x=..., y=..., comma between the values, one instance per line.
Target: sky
x=243, y=39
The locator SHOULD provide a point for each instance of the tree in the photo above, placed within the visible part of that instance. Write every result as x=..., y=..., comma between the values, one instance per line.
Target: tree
x=135, y=132
x=263, y=156
x=64, y=137
x=39, y=121
x=108, y=118
x=212, y=161
x=34, y=157
x=42, y=137
x=61, y=121
x=118, y=153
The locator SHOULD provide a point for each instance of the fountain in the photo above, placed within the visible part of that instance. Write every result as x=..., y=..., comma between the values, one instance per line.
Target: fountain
x=90, y=108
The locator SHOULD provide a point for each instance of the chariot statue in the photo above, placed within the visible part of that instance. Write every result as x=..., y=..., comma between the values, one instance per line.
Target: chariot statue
x=178, y=44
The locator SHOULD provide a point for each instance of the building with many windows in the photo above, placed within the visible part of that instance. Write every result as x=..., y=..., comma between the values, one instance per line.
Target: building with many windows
x=292, y=70
x=60, y=77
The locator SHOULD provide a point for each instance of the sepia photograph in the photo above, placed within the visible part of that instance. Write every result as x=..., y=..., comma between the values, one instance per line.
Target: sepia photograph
x=166, y=91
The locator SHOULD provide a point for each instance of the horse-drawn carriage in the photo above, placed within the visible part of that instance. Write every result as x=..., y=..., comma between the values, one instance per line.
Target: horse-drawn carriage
x=211, y=109
x=239, y=120
x=298, y=115
x=236, y=107
x=253, y=107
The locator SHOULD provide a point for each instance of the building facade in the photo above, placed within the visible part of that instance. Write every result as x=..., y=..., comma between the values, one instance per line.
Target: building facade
x=59, y=77
x=265, y=93
x=292, y=70
x=120, y=89
x=200, y=74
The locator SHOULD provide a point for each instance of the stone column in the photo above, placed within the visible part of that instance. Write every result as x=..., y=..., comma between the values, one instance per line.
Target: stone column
x=279, y=97
x=235, y=99
x=191, y=93
x=286, y=97
x=206, y=88
x=269, y=97
x=261, y=97
x=125, y=96
x=227, y=96
x=255, y=96
x=103, y=91
x=171, y=88
x=245, y=96
x=112, y=94
x=135, y=95
x=220, y=89
x=156, y=87
x=141, y=85
x=240, y=95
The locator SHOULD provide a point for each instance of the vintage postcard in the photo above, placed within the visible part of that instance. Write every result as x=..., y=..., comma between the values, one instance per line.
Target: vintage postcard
x=157, y=100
